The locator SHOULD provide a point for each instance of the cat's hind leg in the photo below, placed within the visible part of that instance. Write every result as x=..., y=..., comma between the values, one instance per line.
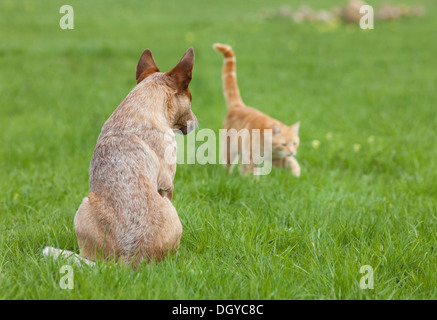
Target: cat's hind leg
x=230, y=155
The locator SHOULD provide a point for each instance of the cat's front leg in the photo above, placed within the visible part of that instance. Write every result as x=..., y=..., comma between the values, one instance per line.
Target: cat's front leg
x=294, y=165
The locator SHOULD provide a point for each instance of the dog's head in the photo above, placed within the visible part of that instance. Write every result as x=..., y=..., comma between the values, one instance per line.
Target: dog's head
x=178, y=103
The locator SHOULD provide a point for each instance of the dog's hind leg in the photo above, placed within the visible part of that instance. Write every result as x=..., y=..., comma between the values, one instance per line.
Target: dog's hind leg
x=92, y=237
x=166, y=234
x=66, y=254
x=81, y=224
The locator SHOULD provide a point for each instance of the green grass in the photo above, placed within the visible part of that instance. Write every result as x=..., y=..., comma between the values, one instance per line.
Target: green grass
x=276, y=238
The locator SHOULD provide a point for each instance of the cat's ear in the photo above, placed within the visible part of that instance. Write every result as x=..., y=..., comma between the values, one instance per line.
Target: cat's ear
x=276, y=130
x=295, y=127
x=146, y=66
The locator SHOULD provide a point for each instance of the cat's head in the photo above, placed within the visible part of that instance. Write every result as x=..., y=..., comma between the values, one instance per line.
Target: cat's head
x=285, y=140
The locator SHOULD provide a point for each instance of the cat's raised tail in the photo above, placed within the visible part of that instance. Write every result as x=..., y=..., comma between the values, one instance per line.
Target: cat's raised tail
x=230, y=86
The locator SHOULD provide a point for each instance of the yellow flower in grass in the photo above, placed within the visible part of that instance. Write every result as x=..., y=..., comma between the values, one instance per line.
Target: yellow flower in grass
x=316, y=144
x=371, y=139
x=357, y=147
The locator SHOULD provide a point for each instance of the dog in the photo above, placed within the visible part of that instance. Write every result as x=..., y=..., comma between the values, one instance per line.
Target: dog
x=128, y=215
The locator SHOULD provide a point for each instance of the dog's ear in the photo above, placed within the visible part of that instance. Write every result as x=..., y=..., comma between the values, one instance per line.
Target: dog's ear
x=182, y=73
x=146, y=66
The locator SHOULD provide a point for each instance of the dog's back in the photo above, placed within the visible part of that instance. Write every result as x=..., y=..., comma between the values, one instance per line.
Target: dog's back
x=126, y=172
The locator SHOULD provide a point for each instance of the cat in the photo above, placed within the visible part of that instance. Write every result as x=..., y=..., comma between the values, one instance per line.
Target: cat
x=285, y=139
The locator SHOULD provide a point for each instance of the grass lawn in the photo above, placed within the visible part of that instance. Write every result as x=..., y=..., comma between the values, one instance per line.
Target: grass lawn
x=367, y=194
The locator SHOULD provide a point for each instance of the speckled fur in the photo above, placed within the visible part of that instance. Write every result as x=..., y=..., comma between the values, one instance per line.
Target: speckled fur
x=128, y=214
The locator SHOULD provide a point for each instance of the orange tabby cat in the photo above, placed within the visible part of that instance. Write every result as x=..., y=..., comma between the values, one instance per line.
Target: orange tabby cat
x=285, y=139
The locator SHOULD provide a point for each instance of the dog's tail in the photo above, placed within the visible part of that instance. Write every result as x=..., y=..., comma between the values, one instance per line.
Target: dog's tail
x=71, y=256
x=230, y=86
